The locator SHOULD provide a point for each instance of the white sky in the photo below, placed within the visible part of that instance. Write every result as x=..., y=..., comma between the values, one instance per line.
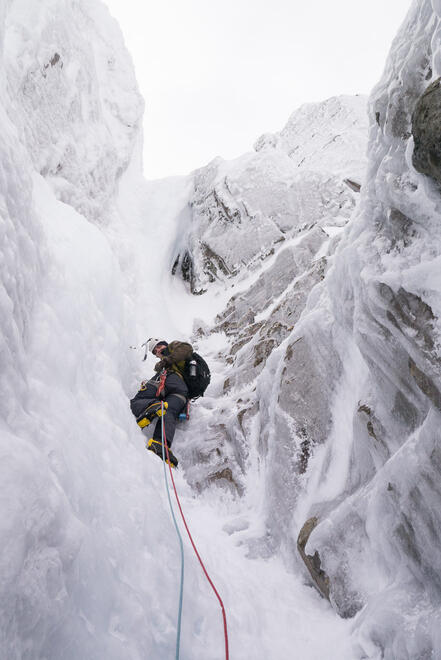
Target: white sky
x=216, y=74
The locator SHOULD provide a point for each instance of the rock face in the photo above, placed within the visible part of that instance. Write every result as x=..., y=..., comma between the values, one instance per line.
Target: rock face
x=334, y=347
x=426, y=131
x=269, y=224
x=378, y=536
x=292, y=182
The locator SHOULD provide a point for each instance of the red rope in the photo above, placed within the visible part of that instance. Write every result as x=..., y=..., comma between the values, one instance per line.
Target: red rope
x=227, y=655
x=161, y=385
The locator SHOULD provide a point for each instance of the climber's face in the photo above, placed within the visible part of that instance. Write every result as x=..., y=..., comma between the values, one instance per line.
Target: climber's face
x=158, y=350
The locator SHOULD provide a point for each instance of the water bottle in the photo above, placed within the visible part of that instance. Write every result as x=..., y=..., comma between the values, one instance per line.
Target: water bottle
x=192, y=368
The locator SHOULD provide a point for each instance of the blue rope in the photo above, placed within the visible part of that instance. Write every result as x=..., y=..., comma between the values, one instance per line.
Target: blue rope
x=181, y=590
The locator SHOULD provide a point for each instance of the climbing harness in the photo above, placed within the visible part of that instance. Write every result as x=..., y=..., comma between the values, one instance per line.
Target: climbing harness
x=165, y=447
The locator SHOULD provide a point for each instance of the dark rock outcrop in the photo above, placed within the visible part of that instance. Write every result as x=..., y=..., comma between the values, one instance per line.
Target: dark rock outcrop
x=312, y=562
x=426, y=131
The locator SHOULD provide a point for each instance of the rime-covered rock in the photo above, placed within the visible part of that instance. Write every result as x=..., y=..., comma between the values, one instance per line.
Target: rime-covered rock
x=279, y=381
x=378, y=538
x=305, y=176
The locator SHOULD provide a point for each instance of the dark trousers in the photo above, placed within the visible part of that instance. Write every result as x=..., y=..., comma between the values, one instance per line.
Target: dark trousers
x=175, y=394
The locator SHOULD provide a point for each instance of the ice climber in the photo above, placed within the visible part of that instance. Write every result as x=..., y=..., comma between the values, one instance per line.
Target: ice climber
x=150, y=402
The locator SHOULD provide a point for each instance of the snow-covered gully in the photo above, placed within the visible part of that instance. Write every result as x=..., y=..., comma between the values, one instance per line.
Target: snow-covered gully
x=306, y=272
x=272, y=612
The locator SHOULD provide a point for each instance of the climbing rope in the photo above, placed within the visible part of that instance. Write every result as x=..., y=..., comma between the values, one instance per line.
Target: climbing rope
x=161, y=385
x=164, y=444
x=181, y=589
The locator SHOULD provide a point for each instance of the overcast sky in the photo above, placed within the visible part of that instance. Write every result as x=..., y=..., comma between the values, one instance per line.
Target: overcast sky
x=216, y=74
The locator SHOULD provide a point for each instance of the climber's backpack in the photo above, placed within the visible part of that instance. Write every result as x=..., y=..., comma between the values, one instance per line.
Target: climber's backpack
x=197, y=376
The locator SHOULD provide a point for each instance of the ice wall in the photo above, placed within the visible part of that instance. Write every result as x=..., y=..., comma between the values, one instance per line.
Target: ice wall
x=73, y=98
x=81, y=523
x=380, y=547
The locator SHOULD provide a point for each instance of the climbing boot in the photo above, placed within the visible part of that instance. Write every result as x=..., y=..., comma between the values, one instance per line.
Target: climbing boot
x=156, y=409
x=156, y=447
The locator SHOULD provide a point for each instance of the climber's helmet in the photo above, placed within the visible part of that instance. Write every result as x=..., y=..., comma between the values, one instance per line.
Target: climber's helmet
x=156, y=346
